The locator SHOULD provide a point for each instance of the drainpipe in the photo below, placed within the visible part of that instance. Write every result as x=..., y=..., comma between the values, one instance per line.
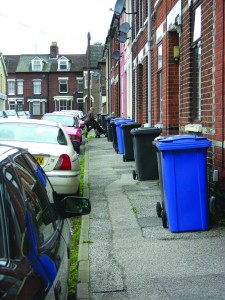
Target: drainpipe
x=149, y=67
x=109, y=80
x=89, y=73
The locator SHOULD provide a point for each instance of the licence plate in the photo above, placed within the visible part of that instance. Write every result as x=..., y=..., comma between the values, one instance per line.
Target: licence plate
x=40, y=159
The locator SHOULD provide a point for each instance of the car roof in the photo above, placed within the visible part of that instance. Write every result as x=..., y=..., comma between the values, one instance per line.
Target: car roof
x=5, y=150
x=30, y=121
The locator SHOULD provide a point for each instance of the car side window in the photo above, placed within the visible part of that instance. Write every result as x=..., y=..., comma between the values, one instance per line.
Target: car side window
x=38, y=203
x=2, y=244
x=13, y=213
x=42, y=176
x=61, y=138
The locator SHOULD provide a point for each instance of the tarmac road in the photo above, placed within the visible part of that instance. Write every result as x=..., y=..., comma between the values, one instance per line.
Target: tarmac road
x=125, y=253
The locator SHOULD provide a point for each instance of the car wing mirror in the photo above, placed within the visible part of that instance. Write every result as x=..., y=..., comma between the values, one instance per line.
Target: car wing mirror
x=73, y=206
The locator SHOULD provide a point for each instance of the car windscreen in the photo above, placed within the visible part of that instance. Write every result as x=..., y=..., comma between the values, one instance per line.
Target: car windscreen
x=61, y=119
x=38, y=133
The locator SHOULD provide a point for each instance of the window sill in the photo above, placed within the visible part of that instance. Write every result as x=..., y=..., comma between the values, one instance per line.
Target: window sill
x=193, y=127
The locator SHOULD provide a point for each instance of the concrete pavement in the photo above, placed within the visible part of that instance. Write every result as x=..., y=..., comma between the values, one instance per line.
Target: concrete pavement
x=125, y=253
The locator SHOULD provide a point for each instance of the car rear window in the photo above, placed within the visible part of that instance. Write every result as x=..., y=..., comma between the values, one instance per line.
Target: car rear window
x=61, y=119
x=37, y=133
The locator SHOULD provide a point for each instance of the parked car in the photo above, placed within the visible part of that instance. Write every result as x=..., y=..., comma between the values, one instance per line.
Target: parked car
x=71, y=124
x=11, y=113
x=24, y=114
x=50, y=145
x=3, y=114
x=35, y=233
x=80, y=116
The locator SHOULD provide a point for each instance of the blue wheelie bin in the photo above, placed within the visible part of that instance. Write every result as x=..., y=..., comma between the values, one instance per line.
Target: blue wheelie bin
x=184, y=172
x=120, y=135
x=114, y=135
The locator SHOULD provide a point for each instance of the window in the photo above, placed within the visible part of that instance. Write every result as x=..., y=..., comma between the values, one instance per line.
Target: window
x=62, y=104
x=12, y=105
x=63, y=85
x=160, y=82
x=196, y=62
x=37, y=64
x=20, y=105
x=63, y=64
x=11, y=87
x=80, y=104
x=37, y=201
x=80, y=85
x=2, y=243
x=36, y=86
x=36, y=108
x=11, y=196
x=86, y=80
x=20, y=87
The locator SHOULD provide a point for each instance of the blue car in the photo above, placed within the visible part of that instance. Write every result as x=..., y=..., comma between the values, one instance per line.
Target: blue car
x=35, y=232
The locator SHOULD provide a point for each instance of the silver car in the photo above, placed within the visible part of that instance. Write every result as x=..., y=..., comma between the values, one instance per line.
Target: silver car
x=50, y=144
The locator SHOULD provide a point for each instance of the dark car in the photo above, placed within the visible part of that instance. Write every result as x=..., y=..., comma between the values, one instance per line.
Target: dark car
x=35, y=233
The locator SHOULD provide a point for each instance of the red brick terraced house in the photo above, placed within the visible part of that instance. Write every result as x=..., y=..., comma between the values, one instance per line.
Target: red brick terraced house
x=173, y=56
x=51, y=82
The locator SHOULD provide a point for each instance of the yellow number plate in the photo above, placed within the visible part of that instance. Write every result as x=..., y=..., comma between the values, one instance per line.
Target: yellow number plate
x=40, y=159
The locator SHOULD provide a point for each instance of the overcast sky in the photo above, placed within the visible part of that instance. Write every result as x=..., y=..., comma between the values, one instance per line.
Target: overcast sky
x=30, y=26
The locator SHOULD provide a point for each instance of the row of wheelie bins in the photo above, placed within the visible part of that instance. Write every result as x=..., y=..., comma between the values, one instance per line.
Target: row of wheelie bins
x=179, y=162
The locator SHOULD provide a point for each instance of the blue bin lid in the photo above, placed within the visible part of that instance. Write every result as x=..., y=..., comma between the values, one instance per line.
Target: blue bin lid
x=178, y=142
x=145, y=130
x=125, y=121
x=116, y=119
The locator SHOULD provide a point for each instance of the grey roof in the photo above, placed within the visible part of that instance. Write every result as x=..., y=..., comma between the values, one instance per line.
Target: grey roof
x=96, y=55
x=22, y=63
x=11, y=62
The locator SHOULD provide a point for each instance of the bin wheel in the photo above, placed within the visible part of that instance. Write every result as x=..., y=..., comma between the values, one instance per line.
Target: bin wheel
x=124, y=158
x=134, y=175
x=164, y=219
x=159, y=209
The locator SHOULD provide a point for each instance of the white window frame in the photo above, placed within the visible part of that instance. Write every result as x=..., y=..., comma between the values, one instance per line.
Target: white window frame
x=80, y=84
x=37, y=64
x=86, y=80
x=20, y=86
x=37, y=106
x=63, y=81
x=11, y=86
x=63, y=64
x=37, y=87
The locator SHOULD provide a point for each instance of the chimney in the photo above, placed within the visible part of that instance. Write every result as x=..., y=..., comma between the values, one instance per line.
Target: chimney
x=54, y=50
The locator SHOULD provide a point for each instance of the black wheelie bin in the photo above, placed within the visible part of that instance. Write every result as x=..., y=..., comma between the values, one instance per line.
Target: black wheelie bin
x=128, y=140
x=104, y=123
x=109, y=128
x=144, y=153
